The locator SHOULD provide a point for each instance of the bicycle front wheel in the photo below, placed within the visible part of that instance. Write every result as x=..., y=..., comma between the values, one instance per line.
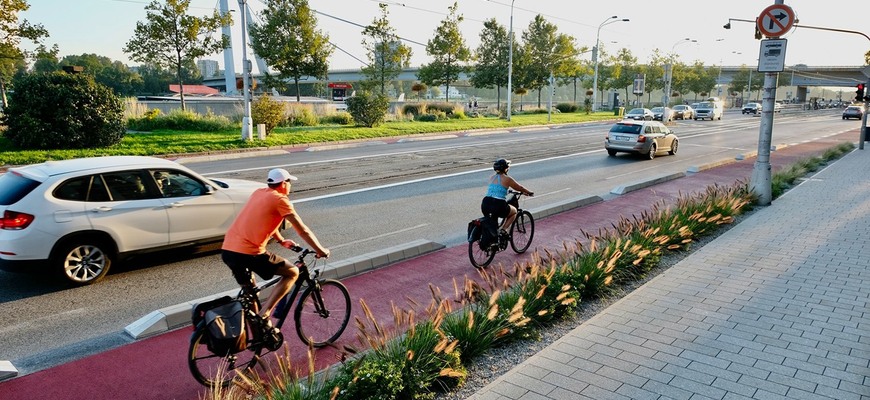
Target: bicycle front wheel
x=322, y=313
x=522, y=232
x=216, y=370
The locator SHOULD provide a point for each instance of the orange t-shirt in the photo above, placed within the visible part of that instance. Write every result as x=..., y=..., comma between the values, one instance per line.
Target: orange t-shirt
x=257, y=222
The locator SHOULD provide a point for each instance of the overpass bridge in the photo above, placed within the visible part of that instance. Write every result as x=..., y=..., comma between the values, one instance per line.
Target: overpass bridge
x=801, y=76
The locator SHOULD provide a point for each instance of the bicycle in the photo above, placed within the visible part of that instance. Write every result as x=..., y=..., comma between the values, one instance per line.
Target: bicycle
x=321, y=316
x=520, y=235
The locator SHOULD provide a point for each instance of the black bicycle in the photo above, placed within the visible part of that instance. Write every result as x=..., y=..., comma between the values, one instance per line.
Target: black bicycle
x=482, y=248
x=321, y=315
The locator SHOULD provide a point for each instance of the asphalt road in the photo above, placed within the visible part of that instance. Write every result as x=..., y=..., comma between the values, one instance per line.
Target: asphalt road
x=362, y=198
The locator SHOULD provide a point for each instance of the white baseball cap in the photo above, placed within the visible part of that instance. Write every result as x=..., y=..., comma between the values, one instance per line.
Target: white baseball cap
x=279, y=175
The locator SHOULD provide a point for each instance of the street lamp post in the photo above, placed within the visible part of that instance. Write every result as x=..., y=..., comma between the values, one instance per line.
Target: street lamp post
x=595, y=54
x=247, y=124
x=510, y=60
x=670, y=72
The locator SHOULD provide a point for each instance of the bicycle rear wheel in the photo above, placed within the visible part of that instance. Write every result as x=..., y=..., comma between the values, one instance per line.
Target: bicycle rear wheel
x=522, y=232
x=214, y=370
x=480, y=257
x=322, y=313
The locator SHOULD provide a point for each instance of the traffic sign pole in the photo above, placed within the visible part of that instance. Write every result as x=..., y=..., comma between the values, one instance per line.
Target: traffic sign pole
x=774, y=21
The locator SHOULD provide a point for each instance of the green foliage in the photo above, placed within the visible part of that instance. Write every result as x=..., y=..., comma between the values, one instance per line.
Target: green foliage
x=300, y=115
x=386, y=52
x=113, y=74
x=266, y=110
x=370, y=377
x=492, y=54
x=339, y=118
x=446, y=108
x=368, y=109
x=60, y=110
x=174, y=39
x=432, y=117
x=567, y=107
x=182, y=121
x=288, y=41
x=448, y=51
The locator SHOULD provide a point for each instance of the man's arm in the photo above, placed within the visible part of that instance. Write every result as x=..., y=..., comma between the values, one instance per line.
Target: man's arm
x=306, y=234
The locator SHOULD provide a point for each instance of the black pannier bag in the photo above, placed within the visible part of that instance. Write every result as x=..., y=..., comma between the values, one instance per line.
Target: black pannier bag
x=485, y=229
x=224, y=320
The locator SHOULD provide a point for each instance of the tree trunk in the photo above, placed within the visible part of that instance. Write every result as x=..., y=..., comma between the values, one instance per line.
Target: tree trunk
x=3, y=93
x=498, y=98
x=296, y=82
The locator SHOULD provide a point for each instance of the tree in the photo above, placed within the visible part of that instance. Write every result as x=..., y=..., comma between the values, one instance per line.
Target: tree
x=654, y=73
x=46, y=60
x=155, y=79
x=448, y=52
x=113, y=74
x=11, y=32
x=492, y=58
x=173, y=39
x=387, y=54
x=289, y=42
x=622, y=70
x=701, y=79
x=419, y=88
x=548, y=52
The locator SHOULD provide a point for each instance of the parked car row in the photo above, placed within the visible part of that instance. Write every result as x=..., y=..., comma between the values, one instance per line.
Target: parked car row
x=77, y=217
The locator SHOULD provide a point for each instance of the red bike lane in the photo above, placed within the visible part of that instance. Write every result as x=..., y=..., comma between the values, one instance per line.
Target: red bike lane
x=156, y=367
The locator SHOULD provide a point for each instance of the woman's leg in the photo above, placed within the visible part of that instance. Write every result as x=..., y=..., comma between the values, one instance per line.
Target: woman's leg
x=512, y=214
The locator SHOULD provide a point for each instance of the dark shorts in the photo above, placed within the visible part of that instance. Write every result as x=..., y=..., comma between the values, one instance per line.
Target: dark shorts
x=497, y=207
x=265, y=265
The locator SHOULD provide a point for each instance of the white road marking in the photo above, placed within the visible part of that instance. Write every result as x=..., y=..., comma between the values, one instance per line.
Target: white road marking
x=378, y=236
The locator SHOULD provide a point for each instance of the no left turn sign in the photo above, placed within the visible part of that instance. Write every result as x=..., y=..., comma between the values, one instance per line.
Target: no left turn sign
x=775, y=20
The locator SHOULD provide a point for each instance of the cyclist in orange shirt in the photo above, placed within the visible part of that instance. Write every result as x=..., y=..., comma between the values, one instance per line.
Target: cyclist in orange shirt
x=244, y=247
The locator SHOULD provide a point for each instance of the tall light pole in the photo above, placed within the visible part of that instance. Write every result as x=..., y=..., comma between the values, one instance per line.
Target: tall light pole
x=510, y=60
x=669, y=71
x=719, y=78
x=595, y=58
x=247, y=124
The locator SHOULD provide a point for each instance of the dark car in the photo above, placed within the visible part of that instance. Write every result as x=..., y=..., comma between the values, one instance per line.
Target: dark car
x=683, y=111
x=751, y=108
x=853, y=112
x=664, y=114
x=641, y=114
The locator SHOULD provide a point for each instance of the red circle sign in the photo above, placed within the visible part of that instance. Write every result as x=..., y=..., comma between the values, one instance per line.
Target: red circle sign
x=775, y=20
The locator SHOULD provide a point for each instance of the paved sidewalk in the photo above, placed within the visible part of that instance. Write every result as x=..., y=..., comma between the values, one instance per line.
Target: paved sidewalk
x=776, y=308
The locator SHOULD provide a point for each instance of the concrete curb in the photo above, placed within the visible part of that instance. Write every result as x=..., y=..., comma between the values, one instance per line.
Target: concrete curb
x=646, y=183
x=7, y=370
x=178, y=315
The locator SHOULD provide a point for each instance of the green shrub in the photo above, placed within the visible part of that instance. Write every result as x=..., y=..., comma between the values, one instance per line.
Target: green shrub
x=414, y=109
x=300, y=115
x=426, y=118
x=446, y=108
x=339, y=118
x=567, y=107
x=267, y=111
x=369, y=377
x=181, y=121
x=61, y=111
x=368, y=109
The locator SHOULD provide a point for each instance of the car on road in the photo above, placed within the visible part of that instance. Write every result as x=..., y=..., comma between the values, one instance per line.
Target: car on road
x=648, y=138
x=683, y=111
x=78, y=217
x=644, y=114
x=751, y=108
x=664, y=114
x=853, y=112
x=708, y=110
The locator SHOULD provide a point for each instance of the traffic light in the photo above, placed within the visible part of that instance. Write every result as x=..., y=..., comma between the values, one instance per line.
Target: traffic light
x=859, y=93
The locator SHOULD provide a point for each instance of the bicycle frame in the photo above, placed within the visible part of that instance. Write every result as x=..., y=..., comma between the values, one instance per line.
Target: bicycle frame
x=286, y=303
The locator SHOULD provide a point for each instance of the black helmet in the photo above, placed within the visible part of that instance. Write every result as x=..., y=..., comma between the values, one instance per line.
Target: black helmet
x=501, y=164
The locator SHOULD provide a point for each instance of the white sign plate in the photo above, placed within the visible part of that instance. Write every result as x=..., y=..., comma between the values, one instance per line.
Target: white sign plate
x=771, y=55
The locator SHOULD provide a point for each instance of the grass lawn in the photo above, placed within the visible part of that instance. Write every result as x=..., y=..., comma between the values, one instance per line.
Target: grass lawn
x=166, y=142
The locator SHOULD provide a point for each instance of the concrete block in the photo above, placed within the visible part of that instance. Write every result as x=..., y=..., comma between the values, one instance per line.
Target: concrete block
x=151, y=324
x=646, y=183
x=7, y=370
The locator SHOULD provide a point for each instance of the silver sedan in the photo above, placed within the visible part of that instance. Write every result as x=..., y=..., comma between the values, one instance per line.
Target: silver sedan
x=648, y=138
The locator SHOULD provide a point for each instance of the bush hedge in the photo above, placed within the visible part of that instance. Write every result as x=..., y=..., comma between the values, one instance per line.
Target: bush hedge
x=62, y=111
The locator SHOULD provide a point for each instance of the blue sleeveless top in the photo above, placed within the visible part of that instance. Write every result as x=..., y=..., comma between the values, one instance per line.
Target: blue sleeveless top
x=496, y=190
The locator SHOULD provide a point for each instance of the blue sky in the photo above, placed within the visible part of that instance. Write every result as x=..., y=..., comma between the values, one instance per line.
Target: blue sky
x=104, y=26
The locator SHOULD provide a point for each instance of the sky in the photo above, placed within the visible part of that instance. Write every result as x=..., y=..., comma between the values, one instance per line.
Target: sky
x=105, y=26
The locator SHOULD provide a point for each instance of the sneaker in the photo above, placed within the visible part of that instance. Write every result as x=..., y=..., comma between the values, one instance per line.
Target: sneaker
x=502, y=232
x=273, y=336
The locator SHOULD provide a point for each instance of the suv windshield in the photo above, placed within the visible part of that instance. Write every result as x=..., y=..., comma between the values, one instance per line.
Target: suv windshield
x=705, y=105
x=14, y=187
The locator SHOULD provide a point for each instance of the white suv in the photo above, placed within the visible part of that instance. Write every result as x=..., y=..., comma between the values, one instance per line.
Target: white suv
x=79, y=216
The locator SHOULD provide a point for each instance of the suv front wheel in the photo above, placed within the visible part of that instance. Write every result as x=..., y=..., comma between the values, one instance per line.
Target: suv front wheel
x=82, y=261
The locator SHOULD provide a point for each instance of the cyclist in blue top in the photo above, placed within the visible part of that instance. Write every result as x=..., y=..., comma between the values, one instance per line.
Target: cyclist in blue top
x=495, y=201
